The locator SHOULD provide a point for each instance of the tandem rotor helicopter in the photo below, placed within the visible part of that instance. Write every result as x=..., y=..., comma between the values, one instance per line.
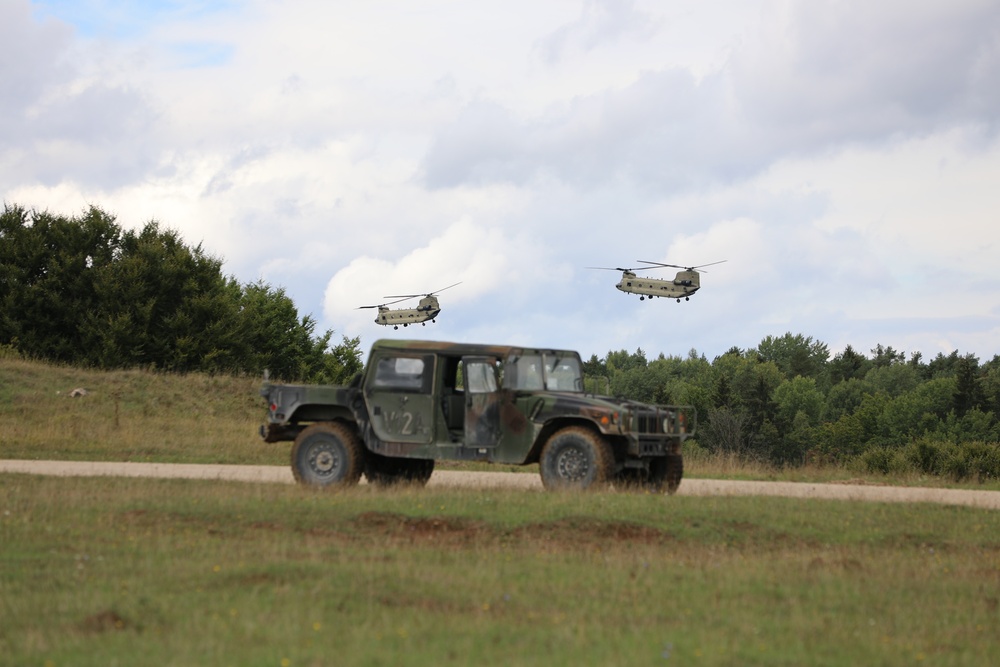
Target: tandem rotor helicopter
x=685, y=283
x=427, y=309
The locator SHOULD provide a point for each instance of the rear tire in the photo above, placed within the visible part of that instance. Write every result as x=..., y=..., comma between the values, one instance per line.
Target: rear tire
x=389, y=471
x=576, y=458
x=663, y=474
x=328, y=454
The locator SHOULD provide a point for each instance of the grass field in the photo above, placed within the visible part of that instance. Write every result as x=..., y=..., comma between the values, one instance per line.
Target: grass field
x=167, y=572
x=105, y=571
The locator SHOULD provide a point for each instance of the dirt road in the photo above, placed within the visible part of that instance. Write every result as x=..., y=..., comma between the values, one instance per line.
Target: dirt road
x=450, y=478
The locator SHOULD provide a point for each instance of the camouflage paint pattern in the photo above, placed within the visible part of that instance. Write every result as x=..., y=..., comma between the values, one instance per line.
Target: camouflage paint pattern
x=410, y=402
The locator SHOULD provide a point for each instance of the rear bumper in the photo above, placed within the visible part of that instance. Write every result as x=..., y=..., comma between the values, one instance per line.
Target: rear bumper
x=279, y=432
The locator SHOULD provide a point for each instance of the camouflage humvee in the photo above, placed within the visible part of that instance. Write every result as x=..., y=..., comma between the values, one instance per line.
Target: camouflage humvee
x=418, y=402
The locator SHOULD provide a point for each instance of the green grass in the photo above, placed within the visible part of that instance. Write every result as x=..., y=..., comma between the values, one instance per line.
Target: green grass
x=99, y=571
x=130, y=416
x=174, y=572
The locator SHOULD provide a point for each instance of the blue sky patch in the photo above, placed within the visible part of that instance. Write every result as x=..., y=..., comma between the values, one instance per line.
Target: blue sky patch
x=131, y=19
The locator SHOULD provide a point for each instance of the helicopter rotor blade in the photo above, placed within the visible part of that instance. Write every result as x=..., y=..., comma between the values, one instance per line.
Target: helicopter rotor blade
x=414, y=296
x=678, y=266
x=388, y=303
x=673, y=266
x=443, y=289
x=710, y=264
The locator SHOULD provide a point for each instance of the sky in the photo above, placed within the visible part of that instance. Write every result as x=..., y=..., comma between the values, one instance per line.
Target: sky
x=841, y=156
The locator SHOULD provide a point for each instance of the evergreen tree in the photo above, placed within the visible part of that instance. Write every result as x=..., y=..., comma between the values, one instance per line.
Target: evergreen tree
x=968, y=393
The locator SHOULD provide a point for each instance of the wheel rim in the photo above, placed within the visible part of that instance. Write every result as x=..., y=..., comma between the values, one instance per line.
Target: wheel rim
x=324, y=460
x=572, y=465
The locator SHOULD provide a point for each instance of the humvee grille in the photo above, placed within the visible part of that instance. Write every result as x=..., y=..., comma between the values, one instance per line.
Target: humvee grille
x=659, y=422
x=649, y=421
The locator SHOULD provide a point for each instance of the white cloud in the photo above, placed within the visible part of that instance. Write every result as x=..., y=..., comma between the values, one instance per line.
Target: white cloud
x=355, y=149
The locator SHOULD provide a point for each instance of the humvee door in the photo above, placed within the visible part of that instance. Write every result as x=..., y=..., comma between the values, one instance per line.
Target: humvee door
x=400, y=397
x=482, y=402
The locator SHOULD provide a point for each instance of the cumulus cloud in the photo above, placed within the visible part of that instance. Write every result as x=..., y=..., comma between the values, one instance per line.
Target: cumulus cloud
x=817, y=77
x=821, y=74
x=600, y=22
x=489, y=263
x=58, y=124
x=841, y=156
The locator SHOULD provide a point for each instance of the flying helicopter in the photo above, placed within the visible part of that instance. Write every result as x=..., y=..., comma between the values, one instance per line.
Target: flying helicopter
x=427, y=309
x=685, y=283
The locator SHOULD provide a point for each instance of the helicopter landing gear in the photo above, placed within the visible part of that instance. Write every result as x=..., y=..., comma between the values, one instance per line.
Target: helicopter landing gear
x=642, y=298
x=396, y=326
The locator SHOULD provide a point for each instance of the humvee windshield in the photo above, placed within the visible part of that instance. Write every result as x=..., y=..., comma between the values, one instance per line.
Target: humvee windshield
x=549, y=371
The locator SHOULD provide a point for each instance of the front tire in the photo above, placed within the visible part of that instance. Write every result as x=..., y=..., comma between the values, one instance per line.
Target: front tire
x=576, y=458
x=674, y=464
x=664, y=474
x=328, y=454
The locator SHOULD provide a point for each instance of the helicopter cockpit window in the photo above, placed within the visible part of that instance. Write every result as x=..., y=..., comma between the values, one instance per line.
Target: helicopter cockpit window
x=404, y=374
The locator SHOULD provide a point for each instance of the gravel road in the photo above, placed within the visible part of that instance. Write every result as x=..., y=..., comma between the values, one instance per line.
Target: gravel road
x=451, y=478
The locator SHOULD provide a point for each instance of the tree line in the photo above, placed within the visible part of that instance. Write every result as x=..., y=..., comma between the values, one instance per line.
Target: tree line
x=788, y=402
x=81, y=290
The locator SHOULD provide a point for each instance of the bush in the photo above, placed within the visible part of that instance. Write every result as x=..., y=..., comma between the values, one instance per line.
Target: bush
x=926, y=456
x=884, y=460
x=978, y=461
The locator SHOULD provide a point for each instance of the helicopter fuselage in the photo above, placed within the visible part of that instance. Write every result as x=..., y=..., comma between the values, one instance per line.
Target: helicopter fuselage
x=684, y=284
x=426, y=310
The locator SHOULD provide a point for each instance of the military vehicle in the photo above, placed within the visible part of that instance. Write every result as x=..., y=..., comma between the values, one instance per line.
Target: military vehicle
x=685, y=283
x=417, y=402
x=427, y=309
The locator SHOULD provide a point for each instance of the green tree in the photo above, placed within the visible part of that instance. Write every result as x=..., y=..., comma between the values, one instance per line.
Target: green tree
x=623, y=361
x=848, y=365
x=913, y=413
x=165, y=305
x=894, y=379
x=968, y=393
x=886, y=356
x=844, y=398
x=48, y=265
x=798, y=396
x=80, y=290
x=796, y=355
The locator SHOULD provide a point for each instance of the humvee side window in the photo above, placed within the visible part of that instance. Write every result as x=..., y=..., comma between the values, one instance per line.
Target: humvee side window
x=524, y=373
x=482, y=378
x=404, y=373
x=534, y=372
